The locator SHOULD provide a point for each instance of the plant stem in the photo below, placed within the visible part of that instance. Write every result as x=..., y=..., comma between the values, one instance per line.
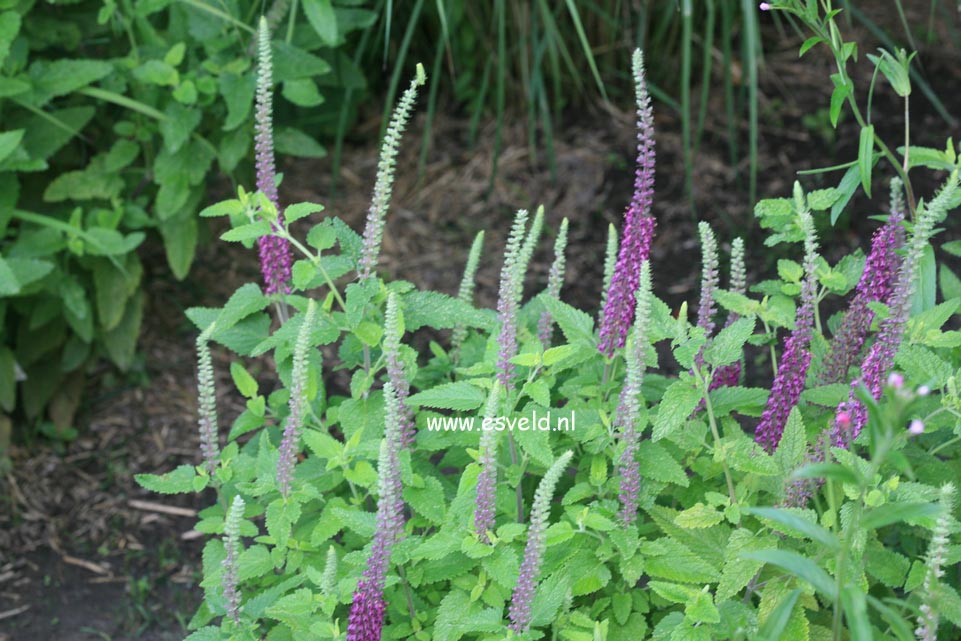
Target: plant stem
x=717, y=438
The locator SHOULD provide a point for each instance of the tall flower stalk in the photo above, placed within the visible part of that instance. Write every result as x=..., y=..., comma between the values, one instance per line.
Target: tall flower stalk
x=876, y=285
x=366, y=619
x=232, y=547
x=927, y=629
x=792, y=370
x=610, y=262
x=709, y=280
x=555, y=280
x=290, y=442
x=629, y=405
x=484, y=505
x=523, y=596
x=275, y=254
x=384, y=183
x=639, y=225
x=508, y=300
x=393, y=331
x=729, y=375
x=880, y=358
x=207, y=410
x=465, y=292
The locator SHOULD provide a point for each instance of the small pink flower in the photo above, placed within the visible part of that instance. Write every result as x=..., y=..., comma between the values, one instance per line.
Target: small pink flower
x=766, y=6
x=924, y=390
x=916, y=427
x=843, y=420
x=895, y=380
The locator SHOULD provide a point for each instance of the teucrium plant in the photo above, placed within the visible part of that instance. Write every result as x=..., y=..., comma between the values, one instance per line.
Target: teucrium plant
x=666, y=537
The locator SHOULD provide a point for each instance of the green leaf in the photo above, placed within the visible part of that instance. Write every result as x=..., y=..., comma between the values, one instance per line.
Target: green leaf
x=866, y=157
x=180, y=244
x=799, y=566
x=60, y=77
x=440, y=311
x=657, y=463
x=728, y=345
x=179, y=481
x=677, y=404
x=9, y=285
x=460, y=396
x=896, y=512
x=848, y=185
x=698, y=516
x=176, y=128
x=793, y=445
x=795, y=523
x=238, y=92
x=248, y=231
x=575, y=324
x=776, y=623
x=120, y=342
x=303, y=92
x=294, y=142
x=9, y=141
x=301, y=210
x=294, y=609
x=245, y=383
x=738, y=572
x=323, y=19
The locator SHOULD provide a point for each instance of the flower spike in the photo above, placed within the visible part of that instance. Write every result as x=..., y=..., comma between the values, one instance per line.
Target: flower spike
x=876, y=285
x=275, y=256
x=629, y=405
x=709, y=279
x=638, y=226
x=880, y=358
x=384, y=183
x=792, y=370
x=508, y=300
x=393, y=331
x=207, y=411
x=232, y=547
x=555, y=279
x=937, y=552
x=523, y=596
x=289, y=443
x=366, y=619
x=729, y=375
x=466, y=292
x=487, y=477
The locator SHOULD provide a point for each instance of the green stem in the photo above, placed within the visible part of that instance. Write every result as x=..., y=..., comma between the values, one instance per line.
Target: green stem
x=706, y=384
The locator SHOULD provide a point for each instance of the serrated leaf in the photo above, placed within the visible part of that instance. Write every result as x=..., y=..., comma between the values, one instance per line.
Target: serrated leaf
x=459, y=395
x=178, y=481
x=677, y=404
x=728, y=346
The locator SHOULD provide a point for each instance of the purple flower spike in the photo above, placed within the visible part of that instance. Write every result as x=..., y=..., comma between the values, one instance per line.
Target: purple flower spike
x=508, y=301
x=484, y=506
x=730, y=375
x=629, y=405
x=792, y=370
x=876, y=285
x=638, y=227
x=275, y=256
x=523, y=596
x=395, y=369
x=289, y=443
x=366, y=619
x=880, y=359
